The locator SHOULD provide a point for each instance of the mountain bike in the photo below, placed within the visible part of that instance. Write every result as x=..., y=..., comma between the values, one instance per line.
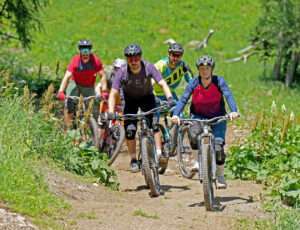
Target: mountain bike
x=167, y=132
x=175, y=141
x=147, y=153
x=85, y=125
x=112, y=134
x=206, y=156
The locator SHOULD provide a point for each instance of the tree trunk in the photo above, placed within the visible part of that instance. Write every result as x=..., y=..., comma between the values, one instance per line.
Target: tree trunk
x=279, y=59
x=291, y=69
x=277, y=66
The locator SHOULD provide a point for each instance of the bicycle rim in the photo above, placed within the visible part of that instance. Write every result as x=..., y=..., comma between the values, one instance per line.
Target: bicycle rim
x=117, y=141
x=149, y=167
x=207, y=177
x=184, y=154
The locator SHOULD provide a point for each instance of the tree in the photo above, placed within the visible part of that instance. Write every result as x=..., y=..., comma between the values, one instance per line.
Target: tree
x=18, y=18
x=279, y=27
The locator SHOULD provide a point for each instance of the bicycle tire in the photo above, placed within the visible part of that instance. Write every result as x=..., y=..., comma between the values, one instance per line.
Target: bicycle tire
x=183, y=168
x=116, y=144
x=95, y=132
x=207, y=177
x=149, y=168
x=163, y=165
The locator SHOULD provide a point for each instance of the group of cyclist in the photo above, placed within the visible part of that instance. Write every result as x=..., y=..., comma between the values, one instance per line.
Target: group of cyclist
x=137, y=84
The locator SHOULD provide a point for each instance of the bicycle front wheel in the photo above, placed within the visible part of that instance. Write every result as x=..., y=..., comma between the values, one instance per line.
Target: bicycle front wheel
x=185, y=156
x=117, y=136
x=164, y=160
x=205, y=159
x=149, y=166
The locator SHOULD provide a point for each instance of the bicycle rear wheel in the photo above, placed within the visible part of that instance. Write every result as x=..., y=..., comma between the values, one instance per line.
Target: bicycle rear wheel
x=117, y=136
x=205, y=159
x=185, y=153
x=149, y=167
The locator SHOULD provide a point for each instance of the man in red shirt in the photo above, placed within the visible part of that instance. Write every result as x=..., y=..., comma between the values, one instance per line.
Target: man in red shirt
x=80, y=78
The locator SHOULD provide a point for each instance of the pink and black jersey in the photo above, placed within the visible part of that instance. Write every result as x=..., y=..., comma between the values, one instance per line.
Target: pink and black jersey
x=207, y=102
x=84, y=74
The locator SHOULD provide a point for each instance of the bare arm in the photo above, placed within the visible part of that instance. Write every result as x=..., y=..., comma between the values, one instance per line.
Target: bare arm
x=165, y=88
x=112, y=100
x=65, y=81
x=103, y=80
x=98, y=88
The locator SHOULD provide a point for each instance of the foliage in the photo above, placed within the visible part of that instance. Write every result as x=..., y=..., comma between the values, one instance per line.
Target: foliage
x=17, y=72
x=50, y=141
x=21, y=17
x=22, y=186
x=282, y=218
x=271, y=155
x=277, y=35
x=111, y=25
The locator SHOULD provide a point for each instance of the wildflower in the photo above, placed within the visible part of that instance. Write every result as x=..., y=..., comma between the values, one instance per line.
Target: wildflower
x=292, y=116
x=273, y=107
x=283, y=108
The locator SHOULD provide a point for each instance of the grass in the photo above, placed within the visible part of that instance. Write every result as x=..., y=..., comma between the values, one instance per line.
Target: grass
x=283, y=218
x=142, y=213
x=22, y=187
x=111, y=25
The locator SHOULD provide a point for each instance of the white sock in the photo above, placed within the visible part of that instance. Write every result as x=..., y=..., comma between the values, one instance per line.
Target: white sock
x=158, y=152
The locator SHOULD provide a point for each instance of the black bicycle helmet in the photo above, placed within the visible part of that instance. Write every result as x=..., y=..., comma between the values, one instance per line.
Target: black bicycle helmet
x=176, y=48
x=205, y=60
x=132, y=50
x=85, y=44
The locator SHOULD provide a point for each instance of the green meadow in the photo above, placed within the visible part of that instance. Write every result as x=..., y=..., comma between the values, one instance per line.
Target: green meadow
x=111, y=25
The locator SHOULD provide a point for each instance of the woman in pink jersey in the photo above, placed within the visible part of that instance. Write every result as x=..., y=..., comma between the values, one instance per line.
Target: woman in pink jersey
x=208, y=92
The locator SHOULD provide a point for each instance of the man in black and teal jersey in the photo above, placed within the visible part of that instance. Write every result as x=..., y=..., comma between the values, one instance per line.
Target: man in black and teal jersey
x=173, y=69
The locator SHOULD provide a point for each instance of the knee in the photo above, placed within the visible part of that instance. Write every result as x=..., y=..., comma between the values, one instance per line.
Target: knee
x=155, y=127
x=70, y=106
x=220, y=153
x=130, y=132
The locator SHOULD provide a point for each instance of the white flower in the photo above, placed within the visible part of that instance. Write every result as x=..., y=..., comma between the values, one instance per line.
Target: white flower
x=283, y=108
x=292, y=116
x=273, y=107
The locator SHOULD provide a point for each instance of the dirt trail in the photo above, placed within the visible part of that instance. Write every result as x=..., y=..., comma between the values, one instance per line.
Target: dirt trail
x=181, y=206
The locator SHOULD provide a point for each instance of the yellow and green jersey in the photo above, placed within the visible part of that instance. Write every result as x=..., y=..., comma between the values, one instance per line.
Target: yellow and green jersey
x=173, y=77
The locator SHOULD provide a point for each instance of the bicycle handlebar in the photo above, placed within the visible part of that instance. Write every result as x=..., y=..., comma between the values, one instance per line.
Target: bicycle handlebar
x=135, y=116
x=212, y=121
x=78, y=98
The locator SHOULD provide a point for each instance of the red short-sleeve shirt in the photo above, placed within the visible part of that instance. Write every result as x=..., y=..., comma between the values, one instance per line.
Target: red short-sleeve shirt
x=84, y=74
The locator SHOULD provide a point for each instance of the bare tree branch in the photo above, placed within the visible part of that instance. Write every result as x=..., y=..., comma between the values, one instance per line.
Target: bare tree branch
x=243, y=58
x=246, y=49
x=169, y=41
x=197, y=45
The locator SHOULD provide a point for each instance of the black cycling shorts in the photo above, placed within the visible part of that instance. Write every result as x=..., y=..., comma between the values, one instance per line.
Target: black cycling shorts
x=145, y=103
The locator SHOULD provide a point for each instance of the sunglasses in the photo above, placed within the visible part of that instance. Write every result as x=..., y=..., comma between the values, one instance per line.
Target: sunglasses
x=133, y=59
x=177, y=55
x=85, y=51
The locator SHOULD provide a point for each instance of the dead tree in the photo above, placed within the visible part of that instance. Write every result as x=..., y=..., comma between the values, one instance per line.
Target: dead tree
x=291, y=68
